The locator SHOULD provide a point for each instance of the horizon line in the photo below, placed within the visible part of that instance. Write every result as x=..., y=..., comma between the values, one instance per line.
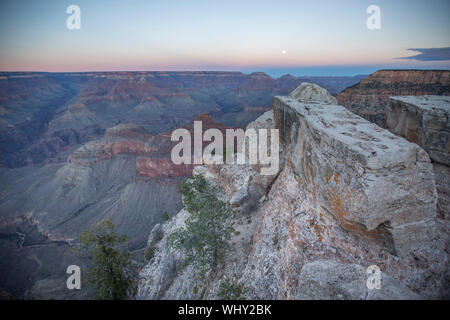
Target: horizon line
x=213, y=71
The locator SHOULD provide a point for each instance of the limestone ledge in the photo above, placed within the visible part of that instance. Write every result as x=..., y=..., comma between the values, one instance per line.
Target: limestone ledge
x=374, y=182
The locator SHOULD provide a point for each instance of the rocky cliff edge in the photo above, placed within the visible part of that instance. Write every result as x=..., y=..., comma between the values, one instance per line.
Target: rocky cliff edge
x=348, y=195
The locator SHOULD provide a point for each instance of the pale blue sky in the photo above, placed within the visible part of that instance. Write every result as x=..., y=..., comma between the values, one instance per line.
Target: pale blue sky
x=301, y=37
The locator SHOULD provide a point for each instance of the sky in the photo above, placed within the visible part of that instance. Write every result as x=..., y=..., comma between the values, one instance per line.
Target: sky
x=277, y=37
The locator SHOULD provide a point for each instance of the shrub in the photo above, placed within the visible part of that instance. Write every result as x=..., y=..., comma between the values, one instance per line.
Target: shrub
x=204, y=239
x=110, y=272
x=165, y=216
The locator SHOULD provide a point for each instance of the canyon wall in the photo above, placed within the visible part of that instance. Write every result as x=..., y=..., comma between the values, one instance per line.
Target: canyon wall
x=43, y=116
x=425, y=120
x=80, y=147
x=370, y=97
x=359, y=173
x=126, y=176
x=348, y=195
x=76, y=148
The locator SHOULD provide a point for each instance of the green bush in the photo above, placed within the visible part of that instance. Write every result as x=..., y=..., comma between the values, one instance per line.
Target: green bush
x=110, y=271
x=229, y=290
x=204, y=239
x=165, y=216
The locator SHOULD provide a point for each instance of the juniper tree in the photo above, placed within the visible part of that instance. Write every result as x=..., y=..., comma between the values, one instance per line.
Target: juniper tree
x=204, y=239
x=110, y=272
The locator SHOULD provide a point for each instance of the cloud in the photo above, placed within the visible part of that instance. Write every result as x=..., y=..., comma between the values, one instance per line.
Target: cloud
x=429, y=54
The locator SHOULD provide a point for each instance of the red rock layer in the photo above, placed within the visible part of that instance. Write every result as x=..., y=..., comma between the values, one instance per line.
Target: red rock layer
x=153, y=151
x=161, y=168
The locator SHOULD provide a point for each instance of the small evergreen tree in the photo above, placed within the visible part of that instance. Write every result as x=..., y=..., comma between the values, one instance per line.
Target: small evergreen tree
x=149, y=253
x=109, y=273
x=205, y=236
x=165, y=216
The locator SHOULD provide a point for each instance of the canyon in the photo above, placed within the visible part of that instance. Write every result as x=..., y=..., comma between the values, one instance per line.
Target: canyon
x=349, y=196
x=370, y=97
x=81, y=147
x=43, y=115
x=76, y=148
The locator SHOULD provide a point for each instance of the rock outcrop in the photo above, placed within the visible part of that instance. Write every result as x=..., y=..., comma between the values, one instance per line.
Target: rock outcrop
x=349, y=195
x=370, y=97
x=310, y=92
x=425, y=120
x=360, y=173
x=325, y=280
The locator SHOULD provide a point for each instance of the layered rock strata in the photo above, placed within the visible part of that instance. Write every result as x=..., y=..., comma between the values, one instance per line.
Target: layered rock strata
x=370, y=97
x=372, y=181
x=425, y=120
x=348, y=195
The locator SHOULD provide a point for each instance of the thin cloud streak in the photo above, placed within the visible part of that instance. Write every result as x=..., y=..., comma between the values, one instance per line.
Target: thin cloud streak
x=429, y=54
